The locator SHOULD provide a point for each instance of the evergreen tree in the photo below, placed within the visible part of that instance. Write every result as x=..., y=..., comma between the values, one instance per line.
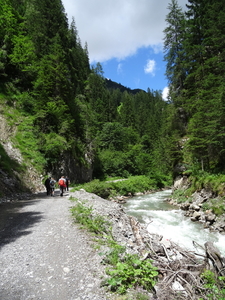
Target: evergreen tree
x=174, y=50
x=96, y=94
x=204, y=82
x=9, y=20
x=127, y=111
x=45, y=19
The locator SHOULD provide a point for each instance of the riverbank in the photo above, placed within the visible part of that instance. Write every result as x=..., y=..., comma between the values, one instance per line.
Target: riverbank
x=203, y=207
x=177, y=280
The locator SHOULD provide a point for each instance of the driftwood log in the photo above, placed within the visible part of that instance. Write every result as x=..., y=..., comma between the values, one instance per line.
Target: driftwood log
x=214, y=255
x=179, y=269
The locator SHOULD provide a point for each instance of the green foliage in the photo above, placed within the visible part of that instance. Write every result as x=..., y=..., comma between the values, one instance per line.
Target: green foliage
x=194, y=52
x=181, y=195
x=214, y=182
x=114, y=136
x=52, y=145
x=132, y=272
x=174, y=53
x=129, y=186
x=47, y=73
x=113, y=163
x=25, y=102
x=136, y=160
x=23, y=54
x=211, y=182
x=219, y=209
x=97, y=187
x=214, y=285
x=84, y=215
x=114, y=255
x=127, y=271
x=217, y=205
x=26, y=141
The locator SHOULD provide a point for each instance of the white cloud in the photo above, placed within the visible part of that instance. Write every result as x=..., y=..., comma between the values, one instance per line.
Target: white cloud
x=165, y=93
x=150, y=67
x=119, y=69
x=115, y=28
x=157, y=48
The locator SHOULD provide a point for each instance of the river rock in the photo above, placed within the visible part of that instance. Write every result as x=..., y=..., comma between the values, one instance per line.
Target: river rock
x=185, y=206
x=178, y=183
x=198, y=198
x=206, y=193
x=210, y=218
x=196, y=216
x=138, y=194
x=194, y=206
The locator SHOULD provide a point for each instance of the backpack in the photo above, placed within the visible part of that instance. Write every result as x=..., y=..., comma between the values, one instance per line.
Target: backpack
x=61, y=182
x=52, y=183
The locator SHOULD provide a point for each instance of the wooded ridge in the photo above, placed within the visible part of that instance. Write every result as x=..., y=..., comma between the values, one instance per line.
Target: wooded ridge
x=65, y=117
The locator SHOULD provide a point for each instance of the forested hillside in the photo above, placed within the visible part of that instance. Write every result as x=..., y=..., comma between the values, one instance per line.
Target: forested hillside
x=195, y=56
x=64, y=116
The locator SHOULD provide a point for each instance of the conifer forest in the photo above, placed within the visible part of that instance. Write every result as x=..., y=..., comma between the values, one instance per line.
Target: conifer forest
x=63, y=105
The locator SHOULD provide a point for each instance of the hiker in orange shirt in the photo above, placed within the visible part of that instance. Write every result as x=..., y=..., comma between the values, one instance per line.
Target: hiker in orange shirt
x=62, y=185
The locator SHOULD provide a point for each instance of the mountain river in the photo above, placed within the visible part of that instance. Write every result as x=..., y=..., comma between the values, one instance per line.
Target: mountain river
x=166, y=220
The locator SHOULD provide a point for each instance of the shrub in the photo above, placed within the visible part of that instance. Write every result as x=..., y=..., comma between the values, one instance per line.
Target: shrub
x=127, y=270
x=181, y=195
x=214, y=285
x=132, y=185
x=26, y=141
x=84, y=215
x=132, y=272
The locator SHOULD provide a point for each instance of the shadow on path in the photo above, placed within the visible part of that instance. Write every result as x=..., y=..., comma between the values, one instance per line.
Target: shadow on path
x=15, y=223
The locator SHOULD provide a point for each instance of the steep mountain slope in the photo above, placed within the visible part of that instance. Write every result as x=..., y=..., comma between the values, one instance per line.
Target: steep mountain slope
x=16, y=174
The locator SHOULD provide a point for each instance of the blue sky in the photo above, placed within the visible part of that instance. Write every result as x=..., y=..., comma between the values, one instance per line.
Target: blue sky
x=145, y=69
x=126, y=37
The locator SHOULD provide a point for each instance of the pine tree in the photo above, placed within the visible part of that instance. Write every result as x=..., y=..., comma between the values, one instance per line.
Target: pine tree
x=45, y=19
x=205, y=80
x=9, y=21
x=174, y=50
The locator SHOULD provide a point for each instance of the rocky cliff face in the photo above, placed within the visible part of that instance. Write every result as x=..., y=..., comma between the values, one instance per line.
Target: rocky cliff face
x=70, y=167
x=12, y=181
x=18, y=176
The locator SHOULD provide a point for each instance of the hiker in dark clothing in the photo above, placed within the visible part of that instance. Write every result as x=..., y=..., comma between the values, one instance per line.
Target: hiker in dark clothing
x=47, y=185
x=67, y=183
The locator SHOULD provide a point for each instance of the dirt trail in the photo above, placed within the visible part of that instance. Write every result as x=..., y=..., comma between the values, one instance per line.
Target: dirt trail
x=44, y=255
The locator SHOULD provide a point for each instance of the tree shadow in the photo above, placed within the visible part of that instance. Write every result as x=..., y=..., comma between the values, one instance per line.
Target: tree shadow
x=14, y=223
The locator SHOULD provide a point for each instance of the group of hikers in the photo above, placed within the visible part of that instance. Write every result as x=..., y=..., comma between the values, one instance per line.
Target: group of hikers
x=50, y=184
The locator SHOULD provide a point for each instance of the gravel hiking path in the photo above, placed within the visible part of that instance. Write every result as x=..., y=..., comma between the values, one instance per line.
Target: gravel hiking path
x=44, y=255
